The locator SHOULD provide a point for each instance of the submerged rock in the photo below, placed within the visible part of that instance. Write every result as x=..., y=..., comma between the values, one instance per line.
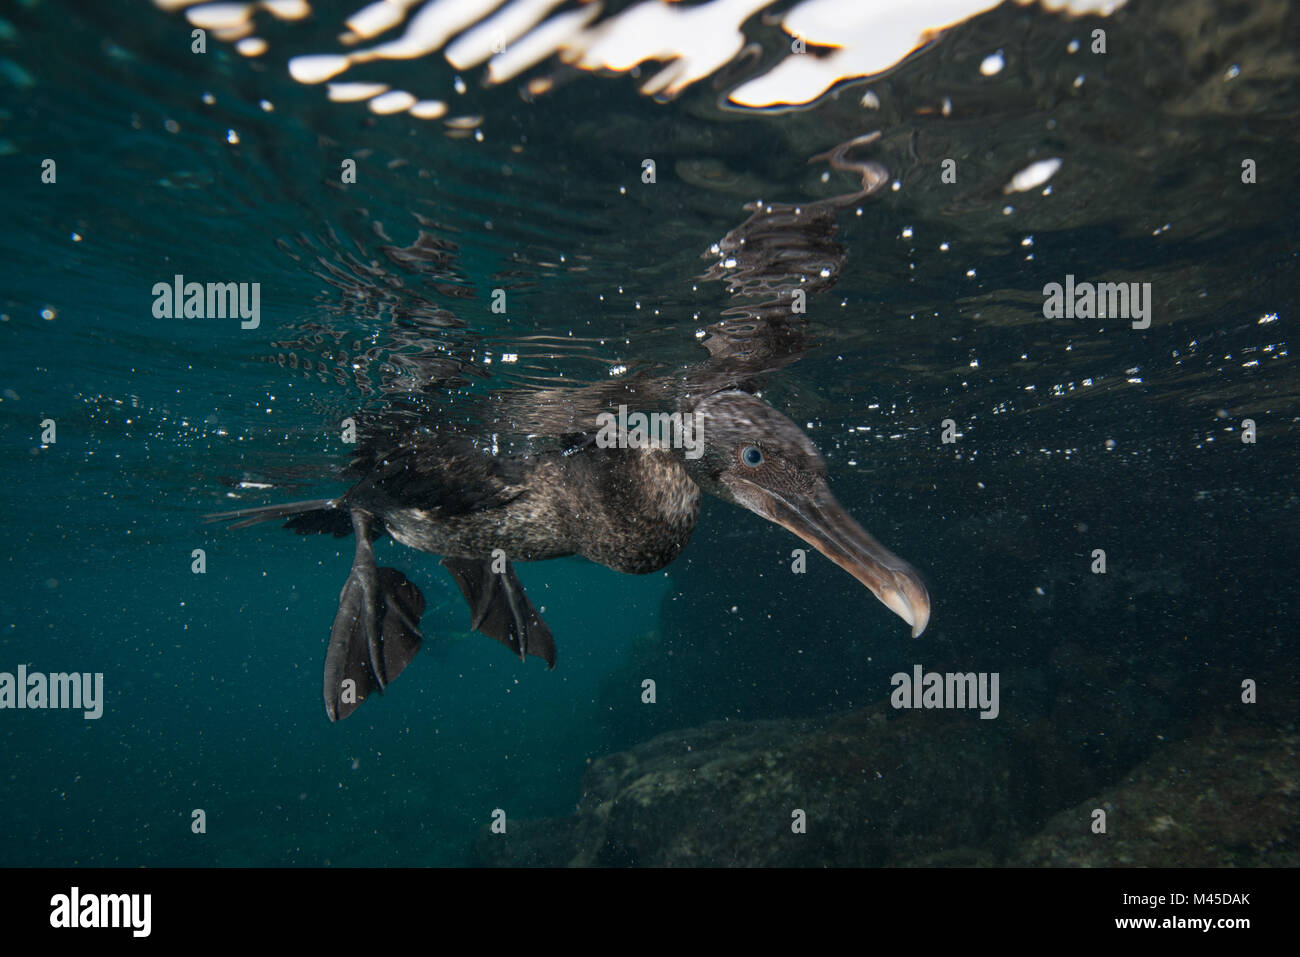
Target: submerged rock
x=924, y=789
x=1230, y=800
x=874, y=791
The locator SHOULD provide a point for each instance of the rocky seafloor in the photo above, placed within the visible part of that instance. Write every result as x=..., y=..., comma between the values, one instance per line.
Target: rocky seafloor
x=916, y=789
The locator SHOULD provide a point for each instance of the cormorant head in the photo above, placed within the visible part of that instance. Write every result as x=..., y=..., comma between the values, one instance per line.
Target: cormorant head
x=754, y=456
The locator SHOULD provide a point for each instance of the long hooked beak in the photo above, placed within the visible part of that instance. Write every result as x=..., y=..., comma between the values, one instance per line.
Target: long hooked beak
x=822, y=522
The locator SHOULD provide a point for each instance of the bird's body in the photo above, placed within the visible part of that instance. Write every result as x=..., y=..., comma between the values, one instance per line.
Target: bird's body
x=631, y=509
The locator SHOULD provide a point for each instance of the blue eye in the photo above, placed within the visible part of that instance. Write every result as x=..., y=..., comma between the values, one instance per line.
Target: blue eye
x=751, y=456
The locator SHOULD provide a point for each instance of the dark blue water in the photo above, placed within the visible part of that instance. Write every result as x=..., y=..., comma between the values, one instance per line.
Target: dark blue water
x=927, y=304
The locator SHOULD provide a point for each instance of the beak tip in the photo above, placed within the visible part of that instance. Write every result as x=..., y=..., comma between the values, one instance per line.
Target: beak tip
x=907, y=599
x=917, y=600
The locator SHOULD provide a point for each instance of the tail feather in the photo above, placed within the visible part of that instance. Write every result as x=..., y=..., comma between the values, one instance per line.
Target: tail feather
x=295, y=511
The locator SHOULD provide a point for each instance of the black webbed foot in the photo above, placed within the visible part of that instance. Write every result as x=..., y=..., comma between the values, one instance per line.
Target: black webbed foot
x=500, y=609
x=376, y=631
